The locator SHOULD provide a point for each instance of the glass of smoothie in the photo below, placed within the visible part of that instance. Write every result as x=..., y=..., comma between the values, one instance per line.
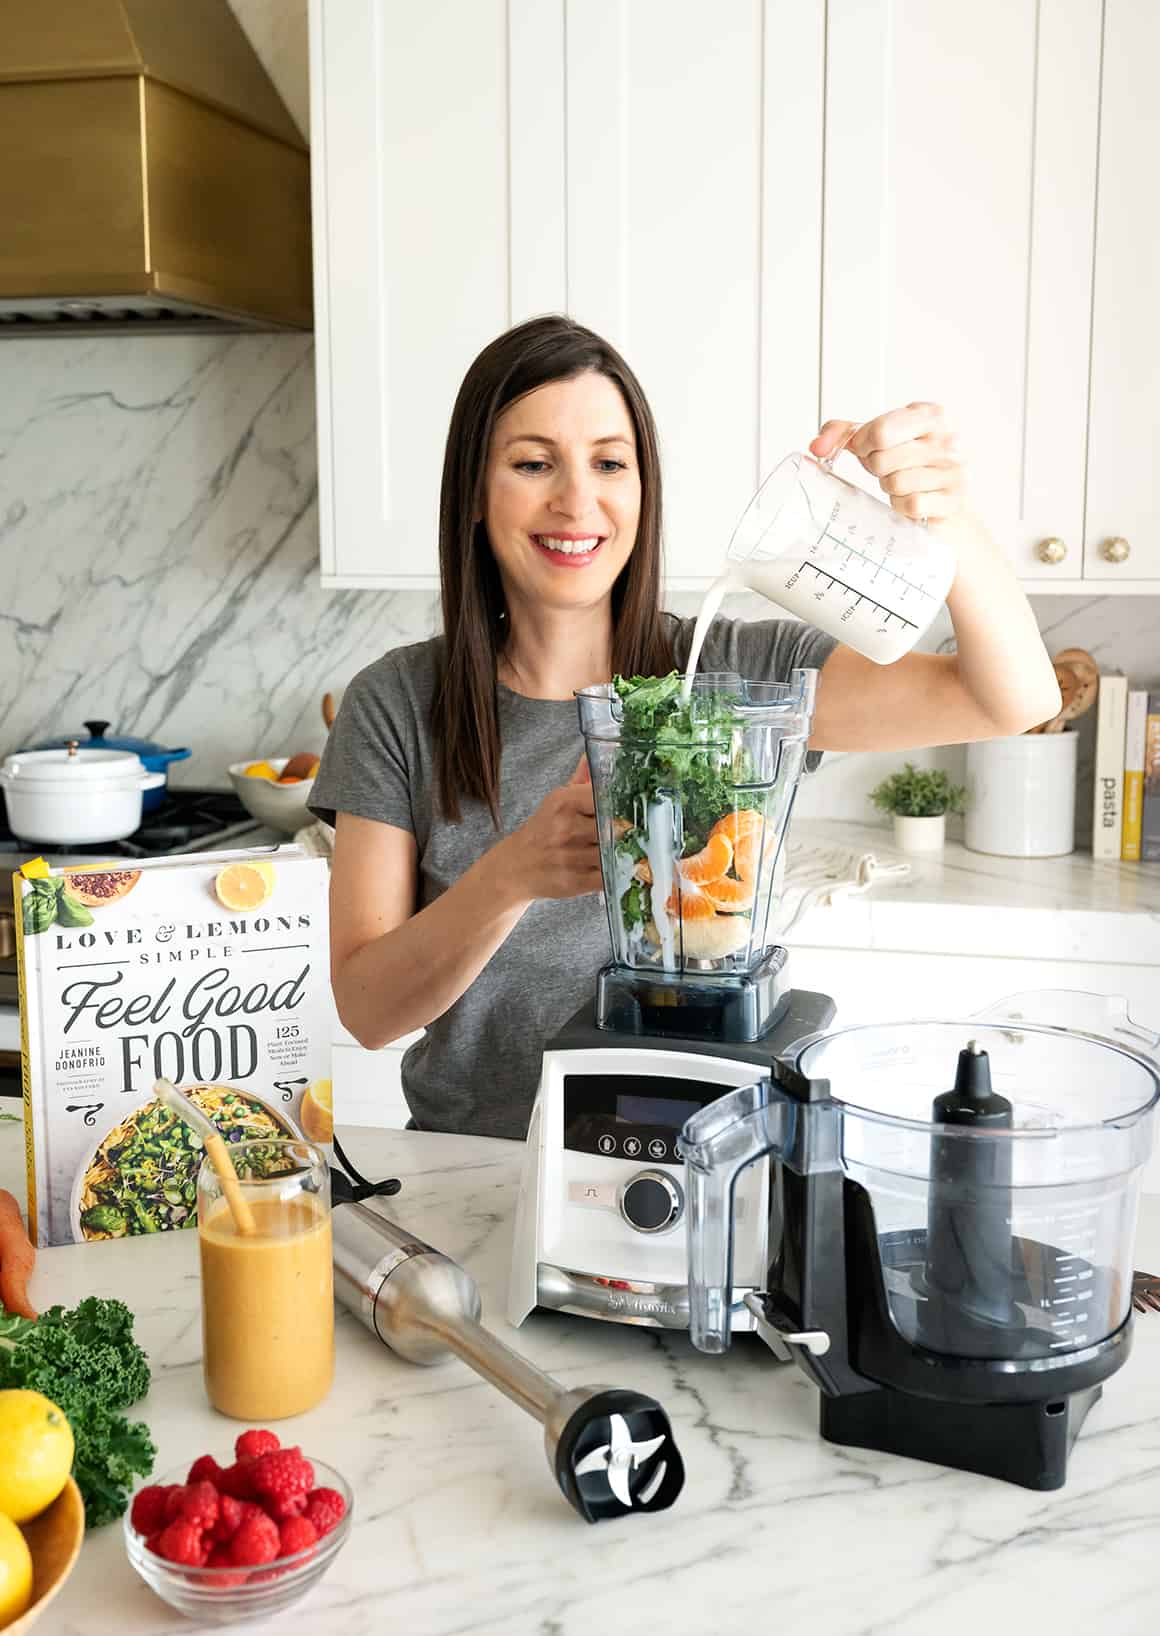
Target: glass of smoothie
x=267, y=1300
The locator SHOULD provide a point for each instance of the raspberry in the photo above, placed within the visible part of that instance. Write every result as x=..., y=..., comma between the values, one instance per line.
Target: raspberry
x=285, y=1507
x=280, y=1480
x=220, y=1557
x=154, y=1544
x=296, y=1535
x=148, y=1513
x=325, y=1507
x=231, y=1515
x=181, y=1542
x=174, y=1500
x=200, y=1505
x=235, y=1480
x=255, y=1542
x=251, y=1444
x=205, y=1469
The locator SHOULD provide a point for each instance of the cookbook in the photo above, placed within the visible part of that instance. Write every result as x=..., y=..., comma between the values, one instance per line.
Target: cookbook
x=209, y=969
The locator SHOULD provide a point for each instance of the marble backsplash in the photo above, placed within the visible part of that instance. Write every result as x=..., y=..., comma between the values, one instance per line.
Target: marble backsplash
x=159, y=541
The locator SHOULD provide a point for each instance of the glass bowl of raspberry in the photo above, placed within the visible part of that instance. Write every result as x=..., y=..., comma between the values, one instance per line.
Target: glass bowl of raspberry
x=239, y=1541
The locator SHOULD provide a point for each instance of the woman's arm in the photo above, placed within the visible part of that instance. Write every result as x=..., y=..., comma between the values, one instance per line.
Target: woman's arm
x=1001, y=680
x=394, y=970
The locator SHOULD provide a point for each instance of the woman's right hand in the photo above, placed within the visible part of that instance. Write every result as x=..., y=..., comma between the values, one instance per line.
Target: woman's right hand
x=555, y=853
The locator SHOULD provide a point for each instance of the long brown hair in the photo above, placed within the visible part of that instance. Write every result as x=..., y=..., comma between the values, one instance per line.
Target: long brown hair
x=465, y=717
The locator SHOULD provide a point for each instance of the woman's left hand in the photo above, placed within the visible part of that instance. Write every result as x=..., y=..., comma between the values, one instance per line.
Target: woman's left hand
x=913, y=454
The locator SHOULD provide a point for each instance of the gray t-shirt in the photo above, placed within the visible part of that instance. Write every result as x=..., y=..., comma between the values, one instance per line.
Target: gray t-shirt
x=477, y=1066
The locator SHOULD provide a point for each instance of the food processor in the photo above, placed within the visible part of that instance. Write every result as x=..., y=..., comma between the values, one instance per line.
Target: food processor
x=952, y=1215
x=693, y=799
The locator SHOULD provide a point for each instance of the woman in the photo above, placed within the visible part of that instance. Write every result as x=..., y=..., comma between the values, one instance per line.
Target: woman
x=466, y=878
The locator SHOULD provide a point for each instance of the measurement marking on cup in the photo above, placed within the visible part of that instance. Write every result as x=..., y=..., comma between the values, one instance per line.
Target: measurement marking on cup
x=832, y=580
x=872, y=562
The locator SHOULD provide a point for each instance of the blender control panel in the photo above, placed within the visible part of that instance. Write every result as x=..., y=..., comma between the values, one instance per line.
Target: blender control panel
x=637, y=1117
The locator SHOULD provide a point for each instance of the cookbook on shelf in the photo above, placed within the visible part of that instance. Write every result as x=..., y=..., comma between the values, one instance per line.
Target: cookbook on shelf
x=211, y=971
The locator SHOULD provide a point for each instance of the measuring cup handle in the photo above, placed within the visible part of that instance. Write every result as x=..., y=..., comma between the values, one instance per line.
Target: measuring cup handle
x=827, y=461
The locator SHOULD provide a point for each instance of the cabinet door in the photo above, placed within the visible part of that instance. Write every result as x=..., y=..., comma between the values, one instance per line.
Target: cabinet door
x=960, y=183
x=649, y=166
x=1124, y=435
x=693, y=230
x=409, y=139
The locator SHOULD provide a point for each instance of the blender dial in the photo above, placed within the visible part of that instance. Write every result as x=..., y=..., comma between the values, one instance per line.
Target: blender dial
x=652, y=1202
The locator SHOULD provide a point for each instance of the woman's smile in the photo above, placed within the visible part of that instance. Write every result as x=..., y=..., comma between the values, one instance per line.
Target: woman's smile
x=569, y=550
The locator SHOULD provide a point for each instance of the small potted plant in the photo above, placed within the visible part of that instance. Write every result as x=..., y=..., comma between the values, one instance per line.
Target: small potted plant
x=919, y=799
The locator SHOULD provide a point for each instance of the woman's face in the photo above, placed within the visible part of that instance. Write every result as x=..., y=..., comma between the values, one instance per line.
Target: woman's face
x=562, y=492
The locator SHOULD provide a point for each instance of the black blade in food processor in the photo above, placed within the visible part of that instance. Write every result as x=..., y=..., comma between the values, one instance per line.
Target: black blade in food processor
x=969, y=1280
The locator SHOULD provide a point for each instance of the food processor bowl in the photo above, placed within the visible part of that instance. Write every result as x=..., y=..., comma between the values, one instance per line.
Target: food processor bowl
x=692, y=807
x=992, y=1172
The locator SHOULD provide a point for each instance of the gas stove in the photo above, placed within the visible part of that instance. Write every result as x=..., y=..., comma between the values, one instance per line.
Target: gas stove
x=186, y=821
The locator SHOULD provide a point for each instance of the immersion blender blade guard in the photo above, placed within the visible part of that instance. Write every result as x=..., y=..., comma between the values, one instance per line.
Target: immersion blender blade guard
x=611, y=1451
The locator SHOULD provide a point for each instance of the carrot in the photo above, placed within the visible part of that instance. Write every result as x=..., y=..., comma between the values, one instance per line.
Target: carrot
x=17, y=1258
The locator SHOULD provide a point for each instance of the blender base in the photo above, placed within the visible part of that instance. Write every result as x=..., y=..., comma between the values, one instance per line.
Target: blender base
x=1023, y=1443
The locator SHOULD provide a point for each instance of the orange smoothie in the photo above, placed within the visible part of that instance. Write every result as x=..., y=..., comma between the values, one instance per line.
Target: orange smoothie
x=267, y=1309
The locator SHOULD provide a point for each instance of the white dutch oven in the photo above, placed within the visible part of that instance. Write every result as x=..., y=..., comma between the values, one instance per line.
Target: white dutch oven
x=66, y=797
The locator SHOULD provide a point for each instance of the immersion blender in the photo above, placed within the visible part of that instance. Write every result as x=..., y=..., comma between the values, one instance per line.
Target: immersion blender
x=611, y=1451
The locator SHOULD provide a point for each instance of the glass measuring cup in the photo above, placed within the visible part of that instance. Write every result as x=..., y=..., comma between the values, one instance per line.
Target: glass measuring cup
x=839, y=559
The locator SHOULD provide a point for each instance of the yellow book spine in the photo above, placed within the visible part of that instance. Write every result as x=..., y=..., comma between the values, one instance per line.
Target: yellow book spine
x=1133, y=815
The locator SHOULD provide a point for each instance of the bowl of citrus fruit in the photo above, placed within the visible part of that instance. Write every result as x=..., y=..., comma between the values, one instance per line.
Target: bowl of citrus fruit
x=42, y=1515
x=275, y=791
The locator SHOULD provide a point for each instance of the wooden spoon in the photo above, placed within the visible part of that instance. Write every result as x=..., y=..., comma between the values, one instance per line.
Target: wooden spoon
x=1077, y=694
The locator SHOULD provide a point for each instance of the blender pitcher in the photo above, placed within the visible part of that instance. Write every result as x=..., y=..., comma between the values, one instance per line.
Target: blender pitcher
x=839, y=559
x=955, y=1209
x=691, y=818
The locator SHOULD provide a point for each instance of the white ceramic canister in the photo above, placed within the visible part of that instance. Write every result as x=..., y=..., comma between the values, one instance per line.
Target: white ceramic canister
x=72, y=796
x=1021, y=795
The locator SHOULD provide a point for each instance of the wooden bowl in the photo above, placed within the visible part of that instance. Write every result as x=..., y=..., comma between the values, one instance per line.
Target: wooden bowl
x=54, y=1539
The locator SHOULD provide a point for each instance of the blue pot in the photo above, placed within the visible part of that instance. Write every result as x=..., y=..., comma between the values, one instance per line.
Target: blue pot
x=155, y=757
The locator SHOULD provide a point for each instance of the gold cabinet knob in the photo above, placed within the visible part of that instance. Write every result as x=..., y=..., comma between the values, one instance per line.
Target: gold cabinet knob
x=1052, y=550
x=1115, y=550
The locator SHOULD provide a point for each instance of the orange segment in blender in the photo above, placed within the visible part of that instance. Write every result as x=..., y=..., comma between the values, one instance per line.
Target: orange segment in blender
x=690, y=904
x=710, y=863
x=730, y=896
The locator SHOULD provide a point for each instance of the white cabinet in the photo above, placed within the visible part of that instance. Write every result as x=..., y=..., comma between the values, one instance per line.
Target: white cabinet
x=772, y=208
x=653, y=167
x=963, y=215
x=1124, y=438
x=960, y=181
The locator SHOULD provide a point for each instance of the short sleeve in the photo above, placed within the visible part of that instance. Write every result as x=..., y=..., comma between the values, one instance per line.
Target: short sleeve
x=365, y=768
x=765, y=650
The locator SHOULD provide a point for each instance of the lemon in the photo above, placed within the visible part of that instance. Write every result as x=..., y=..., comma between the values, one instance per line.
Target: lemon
x=36, y=1453
x=15, y=1571
x=244, y=885
x=318, y=1112
x=260, y=769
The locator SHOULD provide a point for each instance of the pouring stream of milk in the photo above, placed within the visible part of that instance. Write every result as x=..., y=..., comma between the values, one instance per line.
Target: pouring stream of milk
x=714, y=596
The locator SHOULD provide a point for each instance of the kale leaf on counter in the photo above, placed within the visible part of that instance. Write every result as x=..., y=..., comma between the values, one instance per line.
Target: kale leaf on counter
x=87, y=1362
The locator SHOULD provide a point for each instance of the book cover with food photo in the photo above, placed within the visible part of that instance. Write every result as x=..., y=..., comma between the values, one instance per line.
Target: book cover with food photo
x=210, y=970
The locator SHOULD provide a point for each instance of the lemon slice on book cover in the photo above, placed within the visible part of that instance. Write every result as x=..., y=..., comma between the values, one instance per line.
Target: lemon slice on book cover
x=244, y=885
x=317, y=1116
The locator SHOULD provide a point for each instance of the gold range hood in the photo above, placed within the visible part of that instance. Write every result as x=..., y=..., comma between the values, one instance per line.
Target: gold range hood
x=150, y=175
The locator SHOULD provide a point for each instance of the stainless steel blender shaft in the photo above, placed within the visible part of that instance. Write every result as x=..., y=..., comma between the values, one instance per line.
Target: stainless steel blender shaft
x=611, y=1451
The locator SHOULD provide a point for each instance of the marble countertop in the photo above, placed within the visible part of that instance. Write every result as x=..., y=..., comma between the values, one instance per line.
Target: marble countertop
x=970, y=903
x=460, y=1528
